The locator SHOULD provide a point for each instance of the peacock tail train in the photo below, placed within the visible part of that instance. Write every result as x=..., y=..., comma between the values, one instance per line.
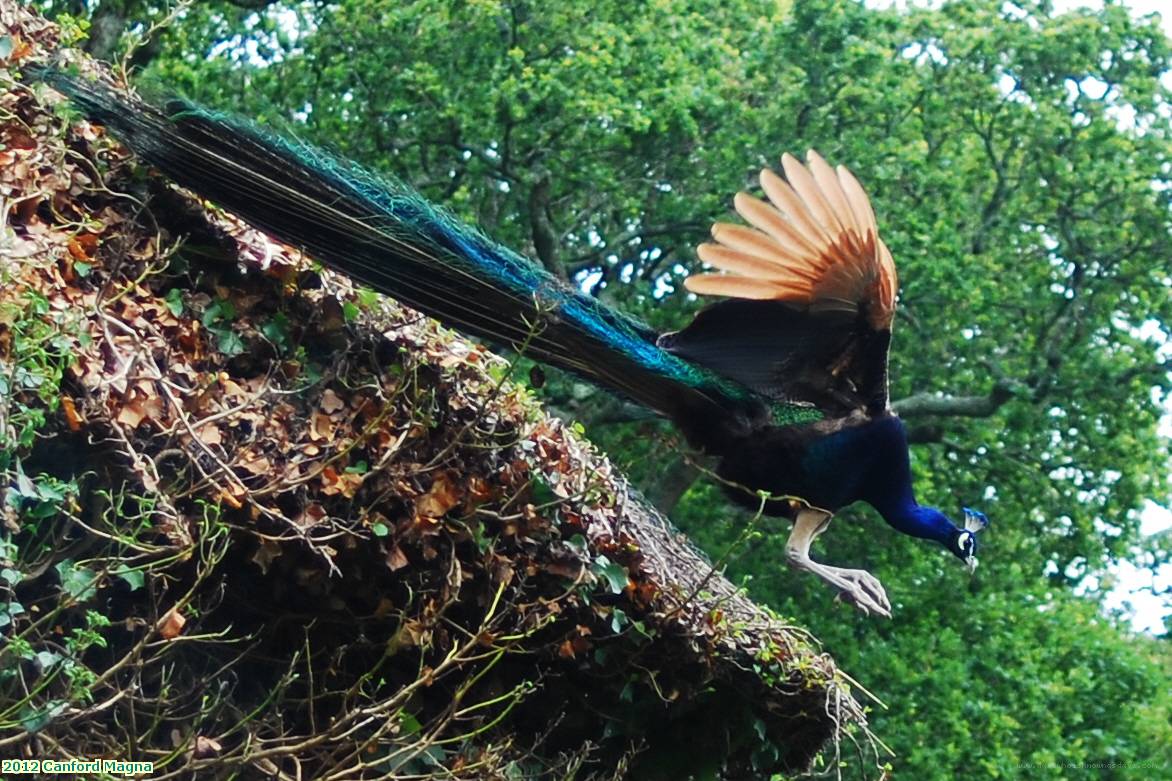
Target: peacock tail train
x=385, y=235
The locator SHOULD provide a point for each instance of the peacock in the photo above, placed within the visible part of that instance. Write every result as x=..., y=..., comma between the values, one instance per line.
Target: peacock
x=783, y=382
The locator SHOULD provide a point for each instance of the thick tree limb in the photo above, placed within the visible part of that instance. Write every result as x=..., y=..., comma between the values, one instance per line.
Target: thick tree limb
x=541, y=230
x=937, y=404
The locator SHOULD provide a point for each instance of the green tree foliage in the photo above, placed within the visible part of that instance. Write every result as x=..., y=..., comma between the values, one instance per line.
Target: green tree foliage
x=1019, y=162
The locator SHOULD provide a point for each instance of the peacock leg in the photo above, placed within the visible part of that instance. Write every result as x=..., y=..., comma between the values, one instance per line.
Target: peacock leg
x=856, y=586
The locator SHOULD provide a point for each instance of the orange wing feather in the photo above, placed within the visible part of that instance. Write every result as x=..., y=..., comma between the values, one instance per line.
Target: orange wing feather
x=815, y=242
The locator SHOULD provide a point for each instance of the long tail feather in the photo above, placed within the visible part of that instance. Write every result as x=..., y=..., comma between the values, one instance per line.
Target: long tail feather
x=389, y=237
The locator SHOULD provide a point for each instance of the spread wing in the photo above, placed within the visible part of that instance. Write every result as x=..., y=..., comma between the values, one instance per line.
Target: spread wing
x=811, y=290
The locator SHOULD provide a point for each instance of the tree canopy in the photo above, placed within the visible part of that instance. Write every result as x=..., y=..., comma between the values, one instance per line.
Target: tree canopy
x=1019, y=162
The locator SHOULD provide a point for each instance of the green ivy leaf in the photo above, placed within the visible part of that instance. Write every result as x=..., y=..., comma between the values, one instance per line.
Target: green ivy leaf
x=36, y=719
x=230, y=343
x=8, y=611
x=174, y=301
x=77, y=581
x=46, y=659
x=220, y=310
x=408, y=724
x=276, y=331
x=135, y=578
x=614, y=574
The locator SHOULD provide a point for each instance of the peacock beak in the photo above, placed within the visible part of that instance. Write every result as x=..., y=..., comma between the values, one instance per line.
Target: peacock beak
x=971, y=562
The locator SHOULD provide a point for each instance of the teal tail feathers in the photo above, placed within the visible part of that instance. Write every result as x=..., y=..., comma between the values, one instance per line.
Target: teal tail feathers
x=390, y=238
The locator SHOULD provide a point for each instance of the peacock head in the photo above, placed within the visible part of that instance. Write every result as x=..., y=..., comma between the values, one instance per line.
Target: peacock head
x=964, y=542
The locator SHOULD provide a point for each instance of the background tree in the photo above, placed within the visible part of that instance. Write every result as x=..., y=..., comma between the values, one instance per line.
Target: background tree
x=1019, y=162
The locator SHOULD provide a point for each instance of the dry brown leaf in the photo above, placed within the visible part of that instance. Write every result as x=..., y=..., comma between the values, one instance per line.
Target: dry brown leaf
x=131, y=414
x=229, y=498
x=443, y=495
x=322, y=426
x=16, y=137
x=72, y=418
x=190, y=342
x=255, y=463
x=312, y=514
x=155, y=409
x=351, y=482
x=344, y=483
x=82, y=246
x=330, y=402
x=266, y=554
x=479, y=489
x=206, y=748
x=396, y=559
x=22, y=50
x=171, y=625
x=232, y=390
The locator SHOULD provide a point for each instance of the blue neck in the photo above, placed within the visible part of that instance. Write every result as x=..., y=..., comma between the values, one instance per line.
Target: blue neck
x=895, y=502
x=889, y=487
x=901, y=511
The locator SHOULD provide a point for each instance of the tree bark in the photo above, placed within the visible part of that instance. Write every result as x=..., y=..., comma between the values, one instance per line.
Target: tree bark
x=938, y=404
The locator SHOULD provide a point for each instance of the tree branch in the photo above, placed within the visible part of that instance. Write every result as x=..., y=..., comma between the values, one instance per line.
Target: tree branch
x=939, y=404
x=541, y=230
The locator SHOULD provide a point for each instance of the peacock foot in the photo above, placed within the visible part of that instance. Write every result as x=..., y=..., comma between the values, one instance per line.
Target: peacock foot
x=858, y=587
x=861, y=589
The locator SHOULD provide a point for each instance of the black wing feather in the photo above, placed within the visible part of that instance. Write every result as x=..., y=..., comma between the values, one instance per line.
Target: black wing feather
x=831, y=359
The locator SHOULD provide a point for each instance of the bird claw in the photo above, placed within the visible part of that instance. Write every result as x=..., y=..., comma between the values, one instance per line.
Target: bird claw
x=863, y=590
